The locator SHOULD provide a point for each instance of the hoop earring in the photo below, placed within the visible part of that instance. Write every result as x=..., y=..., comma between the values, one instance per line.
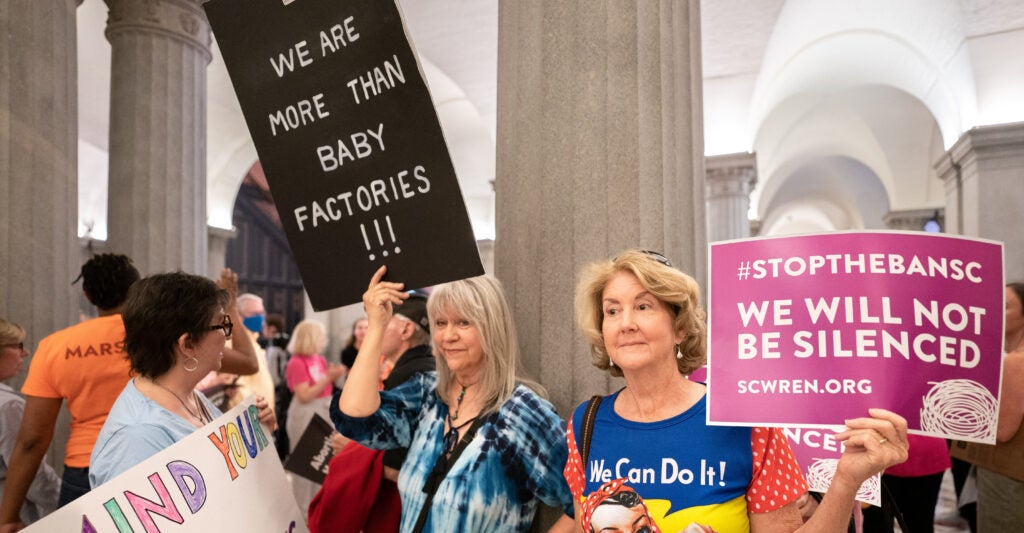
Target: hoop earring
x=195, y=364
x=679, y=353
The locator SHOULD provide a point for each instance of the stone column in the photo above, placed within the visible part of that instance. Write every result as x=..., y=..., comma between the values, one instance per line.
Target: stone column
x=984, y=177
x=38, y=167
x=157, y=209
x=599, y=149
x=730, y=178
x=914, y=219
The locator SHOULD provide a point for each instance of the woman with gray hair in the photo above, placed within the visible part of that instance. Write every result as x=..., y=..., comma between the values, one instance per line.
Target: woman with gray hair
x=484, y=445
x=644, y=322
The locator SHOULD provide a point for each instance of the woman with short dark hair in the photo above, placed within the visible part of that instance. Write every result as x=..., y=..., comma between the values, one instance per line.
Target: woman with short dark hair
x=175, y=330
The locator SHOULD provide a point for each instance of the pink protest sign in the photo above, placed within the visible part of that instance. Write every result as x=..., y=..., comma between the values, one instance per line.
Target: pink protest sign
x=812, y=330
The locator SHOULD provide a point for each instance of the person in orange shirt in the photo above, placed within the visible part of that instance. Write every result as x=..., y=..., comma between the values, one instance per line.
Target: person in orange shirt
x=87, y=365
x=84, y=363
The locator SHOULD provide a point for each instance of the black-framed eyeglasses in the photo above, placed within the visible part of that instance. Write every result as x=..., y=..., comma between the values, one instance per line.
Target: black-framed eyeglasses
x=225, y=325
x=19, y=345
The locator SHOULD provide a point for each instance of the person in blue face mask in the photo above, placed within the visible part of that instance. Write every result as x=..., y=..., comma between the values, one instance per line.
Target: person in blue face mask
x=254, y=315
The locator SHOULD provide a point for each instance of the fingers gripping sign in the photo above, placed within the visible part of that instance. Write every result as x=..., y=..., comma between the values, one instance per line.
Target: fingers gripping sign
x=266, y=413
x=360, y=395
x=872, y=444
x=381, y=297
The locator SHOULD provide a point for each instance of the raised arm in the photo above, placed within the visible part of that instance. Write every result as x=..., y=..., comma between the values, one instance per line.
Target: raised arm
x=240, y=357
x=360, y=397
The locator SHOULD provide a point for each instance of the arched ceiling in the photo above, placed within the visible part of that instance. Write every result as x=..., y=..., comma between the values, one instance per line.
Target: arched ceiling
x=825, y=194
x=885, y=130
x=883, y=86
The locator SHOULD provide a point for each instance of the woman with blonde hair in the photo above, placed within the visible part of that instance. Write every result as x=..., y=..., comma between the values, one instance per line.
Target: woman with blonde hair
x=311, y=381
x=643, y=321
x=41, y=498
x=484, y=445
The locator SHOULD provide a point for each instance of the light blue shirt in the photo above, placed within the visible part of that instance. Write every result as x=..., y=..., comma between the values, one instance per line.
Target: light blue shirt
x=136, y=429
x=41, y=499
x=515, y=460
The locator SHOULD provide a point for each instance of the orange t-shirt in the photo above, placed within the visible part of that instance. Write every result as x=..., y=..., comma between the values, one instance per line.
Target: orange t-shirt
x=86, y=365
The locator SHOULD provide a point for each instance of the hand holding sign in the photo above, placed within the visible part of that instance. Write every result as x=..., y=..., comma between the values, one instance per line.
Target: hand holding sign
x=872, y=445
x=379, y=298
x=265, y=413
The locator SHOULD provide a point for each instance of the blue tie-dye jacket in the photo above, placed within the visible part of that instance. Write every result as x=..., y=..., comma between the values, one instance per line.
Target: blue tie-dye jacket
x=515, y=459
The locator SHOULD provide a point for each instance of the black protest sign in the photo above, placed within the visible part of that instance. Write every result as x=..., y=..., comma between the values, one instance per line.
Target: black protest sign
x=313, y=452
x=350, y=143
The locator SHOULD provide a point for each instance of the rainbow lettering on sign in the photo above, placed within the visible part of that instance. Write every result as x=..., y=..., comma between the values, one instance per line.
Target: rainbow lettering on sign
x=189, y=482
x=237, y=442
x=233, y=444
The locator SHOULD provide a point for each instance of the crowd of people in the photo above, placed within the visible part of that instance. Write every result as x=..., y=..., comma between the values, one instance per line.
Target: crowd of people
x=430, y=405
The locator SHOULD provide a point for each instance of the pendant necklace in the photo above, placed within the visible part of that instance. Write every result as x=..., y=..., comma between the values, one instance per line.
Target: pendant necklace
x=202, y=408
x=458, y=401
x=451, y=438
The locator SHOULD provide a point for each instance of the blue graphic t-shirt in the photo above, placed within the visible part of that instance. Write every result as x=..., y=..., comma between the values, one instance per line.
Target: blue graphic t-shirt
x=515, y=459
x=668, y=474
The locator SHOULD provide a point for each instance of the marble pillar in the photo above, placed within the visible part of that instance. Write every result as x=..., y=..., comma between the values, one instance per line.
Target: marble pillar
x=729, y=179
x=984, y=177
x=38, y=168
x=599, y=149
x=157, y=206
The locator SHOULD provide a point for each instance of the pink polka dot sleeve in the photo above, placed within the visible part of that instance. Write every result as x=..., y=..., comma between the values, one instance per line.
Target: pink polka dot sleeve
x=777, y=479
x=574, y=467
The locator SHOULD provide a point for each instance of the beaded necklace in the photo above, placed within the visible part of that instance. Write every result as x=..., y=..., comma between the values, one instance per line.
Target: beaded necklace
x=458, y=401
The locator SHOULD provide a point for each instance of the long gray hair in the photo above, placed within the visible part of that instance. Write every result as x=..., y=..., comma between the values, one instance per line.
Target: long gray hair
x=482, y=302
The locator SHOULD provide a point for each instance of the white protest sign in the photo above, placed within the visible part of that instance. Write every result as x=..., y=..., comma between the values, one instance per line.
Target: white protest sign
x=225, y=476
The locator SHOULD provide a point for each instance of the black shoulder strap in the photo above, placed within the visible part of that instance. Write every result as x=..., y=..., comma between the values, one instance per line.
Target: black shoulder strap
x=587, y=431
x=439, y=472
x=891, y=511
